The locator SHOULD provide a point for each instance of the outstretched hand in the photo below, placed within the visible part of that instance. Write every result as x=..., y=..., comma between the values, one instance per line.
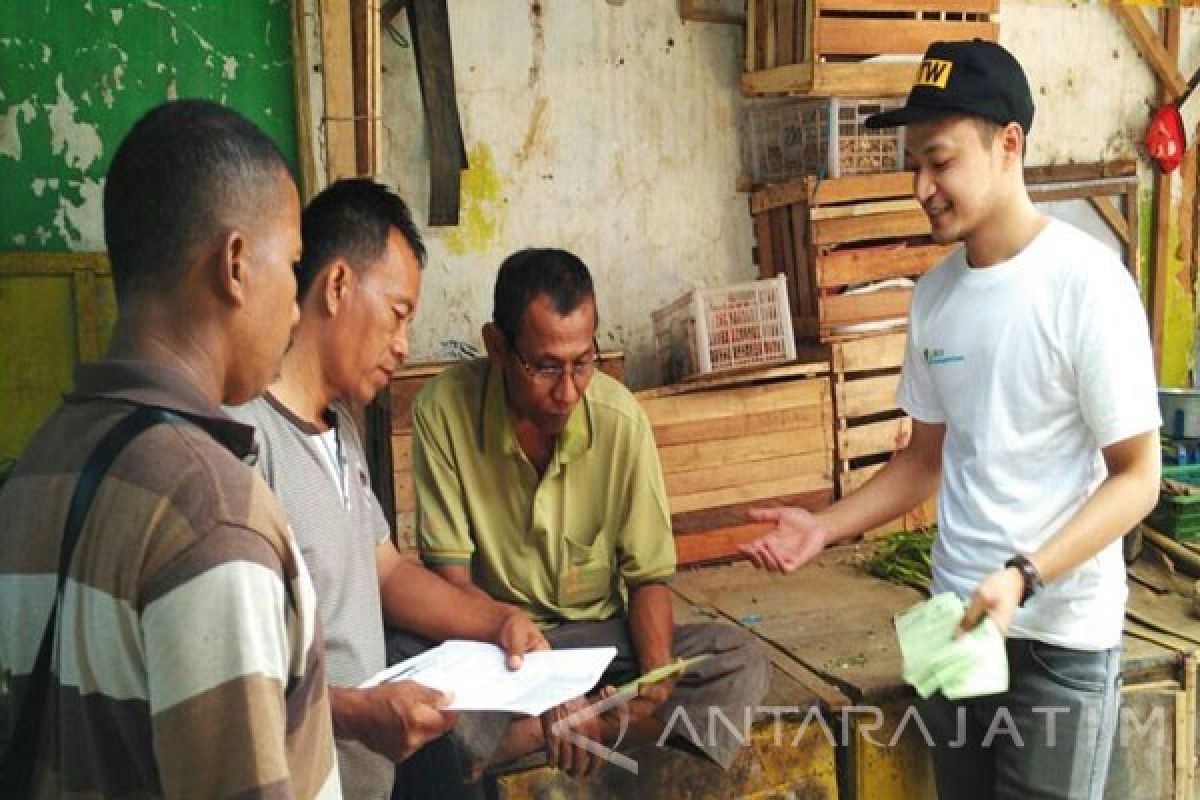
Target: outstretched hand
x=797, y=538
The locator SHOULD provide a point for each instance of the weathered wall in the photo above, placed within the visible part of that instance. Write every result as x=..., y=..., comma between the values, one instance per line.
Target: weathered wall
x=608, y=130
x=75, y=75
x=614, y=131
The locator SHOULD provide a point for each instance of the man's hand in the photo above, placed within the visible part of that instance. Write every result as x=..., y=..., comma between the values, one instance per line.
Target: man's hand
x=998, y=597
x=392, y=719
x=517, y=635
x=561, y=752
x=650, y=698
x=797, y=538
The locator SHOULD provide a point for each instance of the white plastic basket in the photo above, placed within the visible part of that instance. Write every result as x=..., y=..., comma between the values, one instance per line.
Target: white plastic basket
x=731, y=327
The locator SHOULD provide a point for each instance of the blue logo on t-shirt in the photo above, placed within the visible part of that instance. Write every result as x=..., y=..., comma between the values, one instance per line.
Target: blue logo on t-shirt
x=934, y=357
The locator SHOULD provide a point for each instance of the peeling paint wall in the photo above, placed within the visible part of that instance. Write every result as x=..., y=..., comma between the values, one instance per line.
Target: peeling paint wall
x=75, y=75
x=610, y=130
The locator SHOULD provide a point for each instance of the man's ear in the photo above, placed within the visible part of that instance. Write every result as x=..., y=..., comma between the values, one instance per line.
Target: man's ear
x=231, y=268
x=335, y=283
x=1012, y=142
x=495, y=343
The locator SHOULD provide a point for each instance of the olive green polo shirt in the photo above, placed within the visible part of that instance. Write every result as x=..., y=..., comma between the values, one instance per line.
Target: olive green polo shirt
x=564, y=547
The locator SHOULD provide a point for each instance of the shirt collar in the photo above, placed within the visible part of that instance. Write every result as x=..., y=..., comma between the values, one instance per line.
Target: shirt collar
x=496, y=431
x=148, y=384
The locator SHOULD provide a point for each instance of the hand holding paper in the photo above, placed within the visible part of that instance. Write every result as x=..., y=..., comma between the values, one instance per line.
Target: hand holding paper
x=972, y=665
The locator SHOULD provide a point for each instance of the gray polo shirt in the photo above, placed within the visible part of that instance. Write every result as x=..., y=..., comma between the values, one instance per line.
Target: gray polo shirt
x=337, y=523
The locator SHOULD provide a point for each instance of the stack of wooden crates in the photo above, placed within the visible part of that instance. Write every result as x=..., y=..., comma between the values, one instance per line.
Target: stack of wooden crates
x=851, y=245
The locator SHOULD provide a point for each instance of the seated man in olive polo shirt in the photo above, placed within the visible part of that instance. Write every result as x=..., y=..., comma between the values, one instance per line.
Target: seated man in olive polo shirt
x=538, y=483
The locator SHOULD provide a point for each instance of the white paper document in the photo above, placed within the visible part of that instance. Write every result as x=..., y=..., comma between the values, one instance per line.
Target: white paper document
x=971, y=665
x=477, y=677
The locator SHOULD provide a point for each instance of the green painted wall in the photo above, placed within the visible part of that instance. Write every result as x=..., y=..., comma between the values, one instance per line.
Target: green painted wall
x=75, y=75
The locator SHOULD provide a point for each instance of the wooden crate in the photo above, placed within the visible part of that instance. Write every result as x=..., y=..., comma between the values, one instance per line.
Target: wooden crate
x=821, y=47
x=826, y=235
x=869, y=427
x=728, y=446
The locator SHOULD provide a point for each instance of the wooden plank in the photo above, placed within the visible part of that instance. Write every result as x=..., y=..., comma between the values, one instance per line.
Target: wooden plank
x=818, y=463
x=866, y=36
x=364, y=28
x=881, y=226
x=402, y=483
x=785, y=32
x=864, y=209
x=747, y=376
x=1163, y=196
x=730, y=427
x=785, y=256
x=767, y=266
x=770, y=33
x=1049, y=193
x=871, y=352
x=776, y=195
x=707, y=519
x=1081, y=172
x=302, y=80
x=863, y=79
x=755, y=447
x=1133, y=253
x=792, y=484
x=866, y=264
x=886, y=436
x=858, y=398
x=952, y=6
x=1160, y=58
x=1111, y=215
x=718, y=545
x=859, y=188
x=753, y=31
x=806, y=295
x=737, y=402
x=338, y=74
x=848, y=309
x=401, y=450
x=692, y=11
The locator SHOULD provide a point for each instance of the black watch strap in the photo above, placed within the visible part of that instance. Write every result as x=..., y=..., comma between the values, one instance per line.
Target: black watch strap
x=1029, y=573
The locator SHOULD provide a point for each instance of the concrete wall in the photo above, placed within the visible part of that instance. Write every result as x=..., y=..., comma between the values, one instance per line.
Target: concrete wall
x=614, y=130
x=608, y=130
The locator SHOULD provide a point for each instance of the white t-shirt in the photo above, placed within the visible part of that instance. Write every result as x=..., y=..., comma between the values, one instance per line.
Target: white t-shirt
x=1033, y=365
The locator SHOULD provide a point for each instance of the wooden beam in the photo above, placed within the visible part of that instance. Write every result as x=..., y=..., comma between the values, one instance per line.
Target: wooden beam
x=365, y=26
x=302, y=33
x=1162, y=204
x=1108, y=210
x=1061, y=173
x=690, y=11
x=1162, y=59
x=338, y=73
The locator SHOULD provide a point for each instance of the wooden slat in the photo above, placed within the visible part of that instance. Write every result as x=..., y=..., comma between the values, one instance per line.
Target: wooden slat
x=738, y=402
x=743, y=494
x=750, y=62
x=864, y=209
x=785, y=32
x=750, y=473
x=402, y=482
x=953, y=6
x=859, y=188
x=1111, y=215
x=717, y=545
x=707, y=519
x=880, y=226
x=872, y=352
x=848, y=309
x=691, y=11
x=729, y=427
x=755, y=447
x=806, y=295
x=863, y=265
x=305, y=138
x=863, y=79
x=857, y=398
x=767, y=263
x=401, y=450
x=769, y=35
x=338, y=75
x=886, y=436
x=733, y=378
x=1056, y=173
x=866, y=36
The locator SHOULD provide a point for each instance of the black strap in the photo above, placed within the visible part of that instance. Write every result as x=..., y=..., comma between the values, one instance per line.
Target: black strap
x=16, y=773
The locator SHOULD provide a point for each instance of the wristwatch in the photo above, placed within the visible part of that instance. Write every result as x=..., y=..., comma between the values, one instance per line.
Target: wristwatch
x=1029, y=574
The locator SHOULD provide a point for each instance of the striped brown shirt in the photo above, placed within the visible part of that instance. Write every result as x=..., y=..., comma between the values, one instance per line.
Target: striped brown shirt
x=189, y=660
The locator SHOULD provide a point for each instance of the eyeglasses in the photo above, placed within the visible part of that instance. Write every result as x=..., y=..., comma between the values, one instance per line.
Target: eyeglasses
x=580, y=371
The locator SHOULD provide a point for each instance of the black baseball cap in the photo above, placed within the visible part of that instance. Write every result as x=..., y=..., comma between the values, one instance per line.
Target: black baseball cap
x=976, y=77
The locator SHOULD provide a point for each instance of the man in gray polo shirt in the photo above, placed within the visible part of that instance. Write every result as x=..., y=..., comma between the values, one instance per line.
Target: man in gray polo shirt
x=359, y=282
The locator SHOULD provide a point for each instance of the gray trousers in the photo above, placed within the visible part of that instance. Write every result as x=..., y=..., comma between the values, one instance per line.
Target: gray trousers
x=1049, y=737
x=710, y=709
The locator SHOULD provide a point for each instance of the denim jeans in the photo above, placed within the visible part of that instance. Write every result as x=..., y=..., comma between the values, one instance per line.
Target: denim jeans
x=1049, y=736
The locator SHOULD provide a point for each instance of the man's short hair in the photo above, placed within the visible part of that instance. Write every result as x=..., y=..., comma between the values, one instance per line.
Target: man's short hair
x=184, y=171
x=351, y=219
x=528, y=274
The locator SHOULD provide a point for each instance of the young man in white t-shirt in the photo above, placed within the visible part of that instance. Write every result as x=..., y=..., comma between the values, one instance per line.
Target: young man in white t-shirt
x=1030, y=382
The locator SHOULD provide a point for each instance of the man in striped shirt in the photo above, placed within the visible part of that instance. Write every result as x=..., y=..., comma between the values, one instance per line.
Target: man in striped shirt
x=187, y=657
